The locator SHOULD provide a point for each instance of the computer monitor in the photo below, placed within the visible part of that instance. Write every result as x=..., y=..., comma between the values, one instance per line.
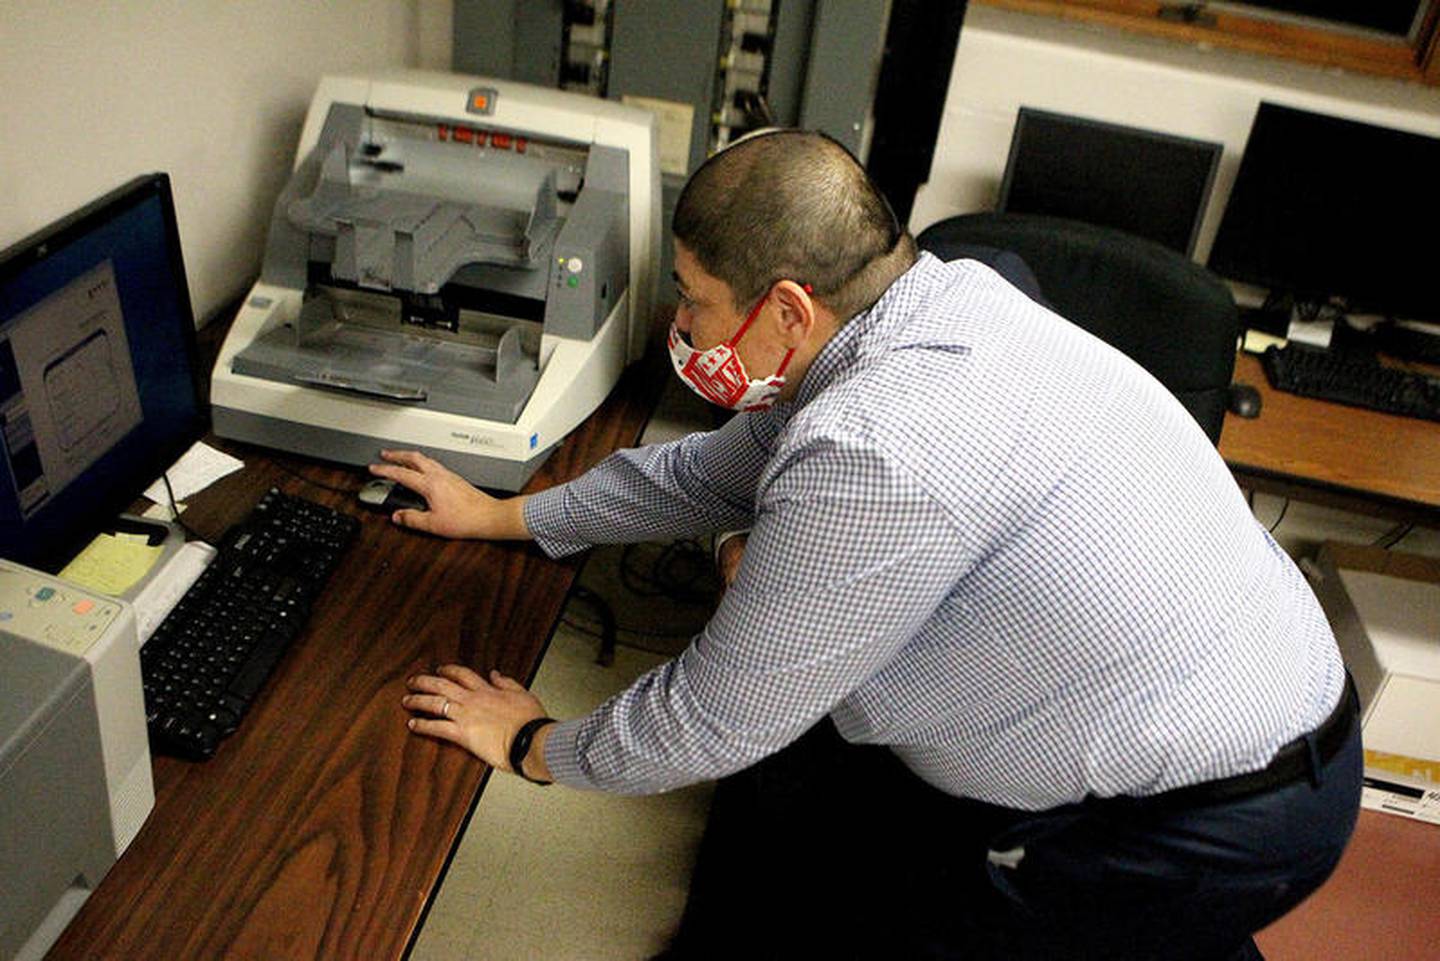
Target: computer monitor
x=1144, y=182
x=1325, y=207
x=98, y=376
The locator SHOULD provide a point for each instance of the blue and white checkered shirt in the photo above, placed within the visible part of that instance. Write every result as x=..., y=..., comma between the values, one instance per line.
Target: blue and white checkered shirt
x=981, y=537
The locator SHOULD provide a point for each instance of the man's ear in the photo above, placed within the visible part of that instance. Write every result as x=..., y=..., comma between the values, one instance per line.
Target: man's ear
x=797, y=311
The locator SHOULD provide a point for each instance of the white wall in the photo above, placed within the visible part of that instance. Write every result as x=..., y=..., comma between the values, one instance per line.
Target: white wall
x=212, y=92
x=1006, y=60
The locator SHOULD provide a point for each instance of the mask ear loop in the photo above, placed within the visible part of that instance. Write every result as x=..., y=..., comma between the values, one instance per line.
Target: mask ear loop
x=755, y=312
x=785, y=362
x=749, y=319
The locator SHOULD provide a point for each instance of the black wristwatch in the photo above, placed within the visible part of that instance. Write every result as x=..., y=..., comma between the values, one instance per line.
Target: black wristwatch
x=521, y=746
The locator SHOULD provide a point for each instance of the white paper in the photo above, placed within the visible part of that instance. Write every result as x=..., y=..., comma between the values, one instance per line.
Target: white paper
x=1314, y=332
x=169, y=584
x=198, y=468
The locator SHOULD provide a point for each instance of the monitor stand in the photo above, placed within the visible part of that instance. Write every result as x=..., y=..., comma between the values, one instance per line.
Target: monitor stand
x=166, y=535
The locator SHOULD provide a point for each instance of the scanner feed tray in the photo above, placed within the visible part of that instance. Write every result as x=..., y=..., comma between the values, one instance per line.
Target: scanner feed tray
x=490, y=382
x=395, y=241
x=391, y=238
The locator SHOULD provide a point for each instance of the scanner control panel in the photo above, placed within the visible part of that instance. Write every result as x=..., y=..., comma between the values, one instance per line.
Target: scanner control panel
x=52, y=612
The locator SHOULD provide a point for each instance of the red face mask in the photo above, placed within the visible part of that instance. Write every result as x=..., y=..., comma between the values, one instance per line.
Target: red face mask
x=719, y=376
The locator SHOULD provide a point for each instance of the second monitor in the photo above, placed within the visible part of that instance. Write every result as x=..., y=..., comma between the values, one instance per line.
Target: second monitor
x=1151, y=184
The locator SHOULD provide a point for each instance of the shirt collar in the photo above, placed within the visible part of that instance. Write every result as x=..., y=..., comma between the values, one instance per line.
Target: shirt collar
x=853, y=337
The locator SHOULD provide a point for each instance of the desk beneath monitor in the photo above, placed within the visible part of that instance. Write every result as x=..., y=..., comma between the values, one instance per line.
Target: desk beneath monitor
x=322, y=827
x=1334, y=454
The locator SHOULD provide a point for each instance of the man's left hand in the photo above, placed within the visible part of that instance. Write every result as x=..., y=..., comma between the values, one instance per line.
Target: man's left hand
x=456, y=704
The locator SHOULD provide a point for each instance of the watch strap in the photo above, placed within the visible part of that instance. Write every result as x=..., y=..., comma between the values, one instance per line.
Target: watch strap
x=520, y=746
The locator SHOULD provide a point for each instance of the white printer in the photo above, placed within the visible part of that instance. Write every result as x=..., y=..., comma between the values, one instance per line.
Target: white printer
x=458, y=265
x=75, y=781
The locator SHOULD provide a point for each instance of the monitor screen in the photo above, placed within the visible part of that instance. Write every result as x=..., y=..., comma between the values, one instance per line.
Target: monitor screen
x=1324, y=207
x=98, y=387
x=1151, y=184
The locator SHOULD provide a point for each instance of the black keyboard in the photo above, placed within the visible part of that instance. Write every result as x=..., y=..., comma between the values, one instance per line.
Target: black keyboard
x=206, y=662
x=1357, y=381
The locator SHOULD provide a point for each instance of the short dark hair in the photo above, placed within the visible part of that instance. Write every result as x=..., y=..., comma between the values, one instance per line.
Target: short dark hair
x=793, y=205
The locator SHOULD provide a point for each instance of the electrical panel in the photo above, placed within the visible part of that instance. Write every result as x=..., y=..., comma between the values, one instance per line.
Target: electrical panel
x=709, y=69
x=730, y=66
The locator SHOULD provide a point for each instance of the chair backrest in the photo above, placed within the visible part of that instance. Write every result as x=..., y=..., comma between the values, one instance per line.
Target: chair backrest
x=1167, y=313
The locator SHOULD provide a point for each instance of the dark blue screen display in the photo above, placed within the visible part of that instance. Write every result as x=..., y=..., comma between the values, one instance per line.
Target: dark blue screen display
x=98, y=389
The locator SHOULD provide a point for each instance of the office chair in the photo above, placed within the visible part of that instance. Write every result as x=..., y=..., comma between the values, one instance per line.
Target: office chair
x=1166, y=312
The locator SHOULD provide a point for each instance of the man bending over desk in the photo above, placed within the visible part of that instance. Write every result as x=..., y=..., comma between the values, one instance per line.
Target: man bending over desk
x=1007, y=670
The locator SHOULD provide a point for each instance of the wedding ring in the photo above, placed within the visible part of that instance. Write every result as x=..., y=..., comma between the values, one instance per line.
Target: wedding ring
x=445, y=708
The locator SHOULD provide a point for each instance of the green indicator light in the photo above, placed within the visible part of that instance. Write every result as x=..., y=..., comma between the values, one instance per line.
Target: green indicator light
x=574, y=281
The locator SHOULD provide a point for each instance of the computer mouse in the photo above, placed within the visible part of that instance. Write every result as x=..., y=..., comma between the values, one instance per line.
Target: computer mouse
x=1244, y=400
x=387, y=496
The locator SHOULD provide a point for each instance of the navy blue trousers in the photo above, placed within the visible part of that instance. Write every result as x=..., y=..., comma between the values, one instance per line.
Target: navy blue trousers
x=831, y=850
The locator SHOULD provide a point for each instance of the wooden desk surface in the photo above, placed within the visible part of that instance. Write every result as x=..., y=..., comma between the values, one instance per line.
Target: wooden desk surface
x=321, y=828
x=1343, y=454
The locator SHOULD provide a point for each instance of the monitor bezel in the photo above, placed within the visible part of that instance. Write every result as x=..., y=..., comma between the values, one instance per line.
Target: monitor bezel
x=1360, y=298
x=1214, y=149
x=47, y=242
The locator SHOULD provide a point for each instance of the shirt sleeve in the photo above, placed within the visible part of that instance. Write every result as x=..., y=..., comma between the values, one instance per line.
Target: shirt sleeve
x=685, y=488
x=846, y=560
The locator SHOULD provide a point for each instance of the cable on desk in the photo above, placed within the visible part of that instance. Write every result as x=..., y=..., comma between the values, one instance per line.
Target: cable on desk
x=175, y=510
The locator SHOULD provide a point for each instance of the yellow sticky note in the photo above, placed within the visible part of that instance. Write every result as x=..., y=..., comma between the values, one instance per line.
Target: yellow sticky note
x=111, y=565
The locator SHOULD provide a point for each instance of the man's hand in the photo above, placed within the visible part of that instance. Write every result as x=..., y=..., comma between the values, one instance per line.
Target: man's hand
x=457, y=705
x=456, y=508
x=729, y=554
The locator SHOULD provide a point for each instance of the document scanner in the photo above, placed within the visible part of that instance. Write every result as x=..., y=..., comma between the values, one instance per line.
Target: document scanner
x=457, y=265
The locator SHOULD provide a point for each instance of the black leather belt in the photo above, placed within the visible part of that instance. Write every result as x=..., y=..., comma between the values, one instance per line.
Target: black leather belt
x=1301, y=758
